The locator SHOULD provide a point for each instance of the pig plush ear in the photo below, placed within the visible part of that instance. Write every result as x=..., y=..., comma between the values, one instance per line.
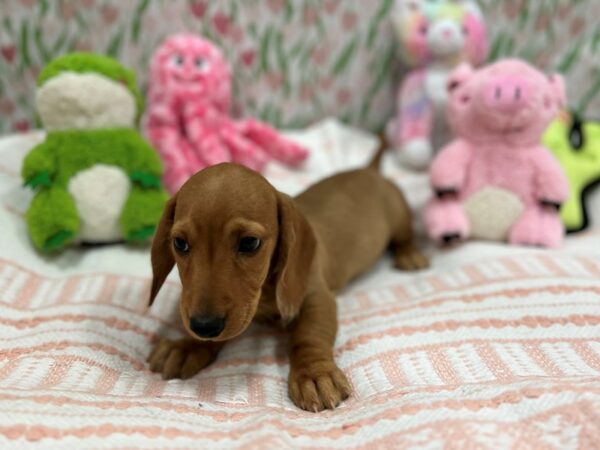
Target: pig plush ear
x=557, y=83
x=461, y=74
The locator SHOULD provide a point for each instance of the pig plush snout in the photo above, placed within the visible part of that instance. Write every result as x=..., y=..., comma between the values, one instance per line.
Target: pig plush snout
x=507, y=94
x=509, y=98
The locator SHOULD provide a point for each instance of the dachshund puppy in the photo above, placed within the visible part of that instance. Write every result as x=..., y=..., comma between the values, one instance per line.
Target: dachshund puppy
x=247, y=252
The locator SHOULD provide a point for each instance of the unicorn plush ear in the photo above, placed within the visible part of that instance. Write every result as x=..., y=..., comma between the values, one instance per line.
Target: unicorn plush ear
x=477, y=44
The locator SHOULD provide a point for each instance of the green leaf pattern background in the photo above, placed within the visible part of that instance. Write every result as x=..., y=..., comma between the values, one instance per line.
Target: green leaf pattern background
x=295, y=61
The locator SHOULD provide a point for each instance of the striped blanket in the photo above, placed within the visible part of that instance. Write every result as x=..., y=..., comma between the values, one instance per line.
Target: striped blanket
x=493, y=347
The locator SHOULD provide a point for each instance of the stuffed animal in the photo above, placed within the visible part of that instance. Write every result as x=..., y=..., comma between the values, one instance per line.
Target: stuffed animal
x=434, y=37
x=576, y=144
x=495, y=180
x=189, y=119
x=96, y=180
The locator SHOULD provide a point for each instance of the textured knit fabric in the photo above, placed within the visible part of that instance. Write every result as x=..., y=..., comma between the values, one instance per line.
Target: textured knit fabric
x=495, y=347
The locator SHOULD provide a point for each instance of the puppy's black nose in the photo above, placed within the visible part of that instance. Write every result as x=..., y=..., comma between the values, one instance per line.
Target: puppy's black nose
x=207, y=326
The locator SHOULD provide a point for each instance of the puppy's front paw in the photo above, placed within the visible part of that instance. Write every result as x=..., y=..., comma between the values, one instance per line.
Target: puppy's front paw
x=317, y=386
x=410, y=259
x=182, y=358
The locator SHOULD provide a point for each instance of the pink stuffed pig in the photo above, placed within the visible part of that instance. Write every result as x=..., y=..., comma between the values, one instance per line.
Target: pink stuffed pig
x=495, y=180
x=188, y=117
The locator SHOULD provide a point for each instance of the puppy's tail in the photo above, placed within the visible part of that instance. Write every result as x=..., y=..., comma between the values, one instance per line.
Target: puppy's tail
x=383, y=144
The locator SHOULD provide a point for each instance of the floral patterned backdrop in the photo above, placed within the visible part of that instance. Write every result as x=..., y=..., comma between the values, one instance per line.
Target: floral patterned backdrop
x=294, y=60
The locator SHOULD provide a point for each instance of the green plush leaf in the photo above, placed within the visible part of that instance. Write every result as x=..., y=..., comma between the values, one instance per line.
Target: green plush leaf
x=40, y=179
x=141, y=213
x=144, y=179
x=141, y=235
x=52, y=219
x=58, y=241
x=345, y=56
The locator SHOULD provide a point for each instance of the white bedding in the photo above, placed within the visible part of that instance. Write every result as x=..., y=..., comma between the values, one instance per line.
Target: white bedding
x=493, y=347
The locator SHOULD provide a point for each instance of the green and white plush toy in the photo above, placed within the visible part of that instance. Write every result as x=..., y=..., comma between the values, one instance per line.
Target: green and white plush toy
x=576, y=145
x=96, y=179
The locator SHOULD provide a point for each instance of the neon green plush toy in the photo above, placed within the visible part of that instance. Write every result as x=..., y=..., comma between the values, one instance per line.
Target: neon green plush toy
x=576, y=145
x=96, y=179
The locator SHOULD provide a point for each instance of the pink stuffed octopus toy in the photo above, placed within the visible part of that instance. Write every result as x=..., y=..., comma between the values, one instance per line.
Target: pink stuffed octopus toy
x=495, y=180
x=188, y=116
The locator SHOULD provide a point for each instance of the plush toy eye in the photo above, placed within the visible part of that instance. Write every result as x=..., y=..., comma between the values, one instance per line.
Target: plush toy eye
x=177, y=60
x=181, y=245
x=248, y=244
x=423, y=28
x=453, y=85
x=200, y=63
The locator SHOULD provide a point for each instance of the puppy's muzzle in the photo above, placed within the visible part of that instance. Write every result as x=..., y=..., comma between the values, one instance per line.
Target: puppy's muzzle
x=207, y=326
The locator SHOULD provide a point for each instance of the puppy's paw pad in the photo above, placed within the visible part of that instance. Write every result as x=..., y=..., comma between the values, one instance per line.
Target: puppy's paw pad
x=181, y=358
x=318, y=386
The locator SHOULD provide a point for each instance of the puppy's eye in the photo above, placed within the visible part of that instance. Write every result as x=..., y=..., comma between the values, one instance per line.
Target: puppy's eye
x=248, y=244
x=181, y=245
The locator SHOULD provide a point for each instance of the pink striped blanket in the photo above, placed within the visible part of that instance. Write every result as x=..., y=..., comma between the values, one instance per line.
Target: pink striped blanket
x=494, y=347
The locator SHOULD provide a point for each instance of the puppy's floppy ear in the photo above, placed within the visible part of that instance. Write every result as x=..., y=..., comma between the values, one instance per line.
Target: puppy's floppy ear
x=161, y=254
x=294, y=257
